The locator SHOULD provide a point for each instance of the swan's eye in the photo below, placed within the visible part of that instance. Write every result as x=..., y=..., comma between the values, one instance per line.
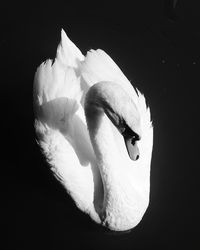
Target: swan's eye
x=127, y=132
x=122, y=130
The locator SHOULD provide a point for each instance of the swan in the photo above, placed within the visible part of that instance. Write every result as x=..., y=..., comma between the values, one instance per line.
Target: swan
x=95, y=131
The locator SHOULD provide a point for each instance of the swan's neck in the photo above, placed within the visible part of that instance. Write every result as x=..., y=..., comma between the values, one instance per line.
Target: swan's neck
x=115, y=180
x=106, y=152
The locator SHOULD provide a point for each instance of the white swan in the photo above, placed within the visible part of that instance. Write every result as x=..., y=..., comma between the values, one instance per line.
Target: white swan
x=100, y=169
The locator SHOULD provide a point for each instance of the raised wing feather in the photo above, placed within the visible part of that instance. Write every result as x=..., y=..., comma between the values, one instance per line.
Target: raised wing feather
x=98, y=66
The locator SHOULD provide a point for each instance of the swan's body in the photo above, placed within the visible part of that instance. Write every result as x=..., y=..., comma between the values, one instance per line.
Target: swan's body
x=86, y=110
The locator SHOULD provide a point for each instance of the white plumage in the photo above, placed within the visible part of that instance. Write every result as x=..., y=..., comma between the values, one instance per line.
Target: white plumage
x=94, y=166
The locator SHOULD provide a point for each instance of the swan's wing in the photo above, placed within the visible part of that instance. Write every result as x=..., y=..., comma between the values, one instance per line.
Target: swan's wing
x=61, y=127
x=98, y=66
x=59, y=79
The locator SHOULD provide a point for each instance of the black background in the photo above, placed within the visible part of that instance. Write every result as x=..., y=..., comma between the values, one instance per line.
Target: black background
x=159, y=51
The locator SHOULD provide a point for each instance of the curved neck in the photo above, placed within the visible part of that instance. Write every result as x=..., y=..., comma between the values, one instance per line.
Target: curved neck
x=101, y=136
x=102, y=139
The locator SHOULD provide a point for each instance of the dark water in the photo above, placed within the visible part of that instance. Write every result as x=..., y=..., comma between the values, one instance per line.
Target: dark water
x=162, y=57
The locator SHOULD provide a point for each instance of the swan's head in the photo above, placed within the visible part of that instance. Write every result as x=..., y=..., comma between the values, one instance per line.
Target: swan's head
x=121, y=110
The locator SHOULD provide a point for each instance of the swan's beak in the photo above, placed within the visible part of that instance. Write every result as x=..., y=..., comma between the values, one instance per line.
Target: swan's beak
x=132, y=148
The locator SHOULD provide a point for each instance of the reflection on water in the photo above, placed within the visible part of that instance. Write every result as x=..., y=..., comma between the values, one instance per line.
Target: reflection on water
x=116, y=233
